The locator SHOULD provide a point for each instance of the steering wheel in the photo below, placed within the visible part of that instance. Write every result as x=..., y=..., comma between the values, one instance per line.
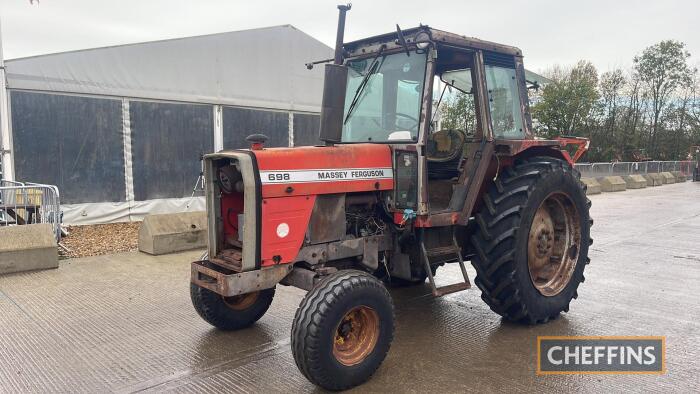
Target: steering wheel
x=397, y=115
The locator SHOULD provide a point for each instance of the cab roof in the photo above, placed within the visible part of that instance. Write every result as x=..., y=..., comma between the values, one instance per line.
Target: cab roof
x=367, y=45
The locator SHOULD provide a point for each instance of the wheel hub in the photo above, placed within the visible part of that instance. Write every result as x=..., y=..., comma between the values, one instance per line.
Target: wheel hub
x=544, y=242
x=553, y=244
x=356, y=335
x=241, y=302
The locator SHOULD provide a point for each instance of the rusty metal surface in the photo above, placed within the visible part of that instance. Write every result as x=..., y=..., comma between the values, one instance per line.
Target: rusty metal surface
x=206, y=275
x=124, y=323
x=327, y=221
x=229, y=259
x=371, y=44
x=553, y=244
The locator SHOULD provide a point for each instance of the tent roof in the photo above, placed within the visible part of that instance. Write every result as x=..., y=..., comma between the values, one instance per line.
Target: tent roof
x=259, y=68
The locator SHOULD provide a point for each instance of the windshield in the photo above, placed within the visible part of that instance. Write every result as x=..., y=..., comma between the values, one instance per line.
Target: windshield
x=384, y=106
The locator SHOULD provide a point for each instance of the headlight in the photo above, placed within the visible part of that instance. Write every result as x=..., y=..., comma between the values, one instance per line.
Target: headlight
x=422, y=40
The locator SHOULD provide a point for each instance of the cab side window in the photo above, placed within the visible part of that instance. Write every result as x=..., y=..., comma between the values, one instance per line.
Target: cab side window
x=504, y=102
x=454, y=103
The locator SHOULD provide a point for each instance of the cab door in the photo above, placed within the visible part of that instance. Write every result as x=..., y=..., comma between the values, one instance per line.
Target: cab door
x=506, y=96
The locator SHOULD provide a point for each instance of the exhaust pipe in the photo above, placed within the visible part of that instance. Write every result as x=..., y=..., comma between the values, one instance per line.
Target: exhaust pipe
x=334, y=87
x=343, y=9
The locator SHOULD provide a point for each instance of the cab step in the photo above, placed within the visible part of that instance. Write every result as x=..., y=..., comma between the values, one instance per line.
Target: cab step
x=445, y=254
x=453, y=288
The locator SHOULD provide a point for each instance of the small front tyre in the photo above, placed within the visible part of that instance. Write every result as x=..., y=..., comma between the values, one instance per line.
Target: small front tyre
x=343, y=329
x=230, y=313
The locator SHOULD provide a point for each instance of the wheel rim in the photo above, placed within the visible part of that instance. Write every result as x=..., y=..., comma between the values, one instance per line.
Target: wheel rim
x=241, y=302
x=356, y=335
x=553, y=244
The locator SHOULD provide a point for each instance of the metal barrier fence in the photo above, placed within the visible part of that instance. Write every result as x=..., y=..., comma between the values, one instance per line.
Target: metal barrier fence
x=28, y=203
x=593, y=170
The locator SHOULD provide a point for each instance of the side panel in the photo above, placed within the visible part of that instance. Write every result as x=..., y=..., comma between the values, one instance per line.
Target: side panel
x=238, y=123
x=284, y=224
x=167, y=141
x=306, y=129
x=324, y=170
x=73, y=142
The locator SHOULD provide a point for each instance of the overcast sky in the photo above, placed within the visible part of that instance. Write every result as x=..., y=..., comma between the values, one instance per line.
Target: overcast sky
x=607, y=32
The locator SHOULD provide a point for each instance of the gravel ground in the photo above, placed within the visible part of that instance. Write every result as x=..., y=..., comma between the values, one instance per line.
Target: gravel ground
x=99, y=239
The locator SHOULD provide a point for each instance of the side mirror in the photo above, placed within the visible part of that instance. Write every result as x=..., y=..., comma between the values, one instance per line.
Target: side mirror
x=333, y=105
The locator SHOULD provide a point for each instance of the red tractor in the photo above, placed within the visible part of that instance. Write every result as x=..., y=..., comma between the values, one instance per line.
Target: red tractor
x=397, y=191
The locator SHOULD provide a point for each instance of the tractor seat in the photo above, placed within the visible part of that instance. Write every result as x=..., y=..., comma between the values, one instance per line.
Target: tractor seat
x=444, y=152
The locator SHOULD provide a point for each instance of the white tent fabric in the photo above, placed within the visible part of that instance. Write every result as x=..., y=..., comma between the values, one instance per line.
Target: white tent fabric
x=254, y=68
x=108, y=212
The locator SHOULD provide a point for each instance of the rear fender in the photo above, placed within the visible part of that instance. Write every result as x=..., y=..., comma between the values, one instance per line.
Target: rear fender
x=501, y=163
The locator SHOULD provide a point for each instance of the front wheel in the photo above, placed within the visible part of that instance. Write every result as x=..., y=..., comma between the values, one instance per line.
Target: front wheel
x=532, y=240
x=343, y=329
x=230, y=313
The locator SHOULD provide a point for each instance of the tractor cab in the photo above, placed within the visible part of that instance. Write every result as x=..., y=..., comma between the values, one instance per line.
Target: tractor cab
x=443, y=102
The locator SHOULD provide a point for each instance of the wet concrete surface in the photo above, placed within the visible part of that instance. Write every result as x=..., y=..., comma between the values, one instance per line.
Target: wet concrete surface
x=124, y=323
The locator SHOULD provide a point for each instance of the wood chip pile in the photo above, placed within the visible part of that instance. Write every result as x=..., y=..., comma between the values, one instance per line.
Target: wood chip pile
x=98, y=239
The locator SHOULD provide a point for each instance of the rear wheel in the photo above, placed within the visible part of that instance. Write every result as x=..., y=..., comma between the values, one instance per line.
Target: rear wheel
x=343, y=329
x=532, y=240
x=230, y=313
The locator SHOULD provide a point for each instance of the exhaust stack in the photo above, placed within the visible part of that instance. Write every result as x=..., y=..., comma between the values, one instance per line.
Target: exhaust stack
x=334, y=87
x=342, y=10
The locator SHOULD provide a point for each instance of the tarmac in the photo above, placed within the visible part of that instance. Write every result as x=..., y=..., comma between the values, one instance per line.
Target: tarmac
x=124, y=323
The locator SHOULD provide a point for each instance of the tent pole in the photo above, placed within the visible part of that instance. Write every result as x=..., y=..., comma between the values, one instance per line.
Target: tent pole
x=5, y=140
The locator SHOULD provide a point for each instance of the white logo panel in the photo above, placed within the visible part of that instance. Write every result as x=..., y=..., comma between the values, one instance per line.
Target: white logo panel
x=325, y=175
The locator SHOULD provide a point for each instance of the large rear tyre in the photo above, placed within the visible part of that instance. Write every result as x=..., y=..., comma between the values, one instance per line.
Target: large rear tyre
x=532, y=240
x=230, y=313
x=343, y=329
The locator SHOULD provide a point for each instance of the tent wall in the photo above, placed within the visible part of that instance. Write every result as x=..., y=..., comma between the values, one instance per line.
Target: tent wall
x=167, y=141
x=306, y=129
x=73, y=142
x=242, y=122
x=120, y=129
x=118, y=159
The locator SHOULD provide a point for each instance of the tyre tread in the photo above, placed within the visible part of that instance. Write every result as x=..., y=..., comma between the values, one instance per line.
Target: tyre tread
x=494, y=239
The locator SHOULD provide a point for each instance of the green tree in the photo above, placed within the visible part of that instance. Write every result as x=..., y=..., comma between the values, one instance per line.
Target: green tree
x=458, y=113
x=662, y=68
x=565, y=104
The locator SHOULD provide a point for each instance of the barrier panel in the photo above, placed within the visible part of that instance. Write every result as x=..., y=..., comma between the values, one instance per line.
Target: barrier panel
x=23, y=203
x=596, y=170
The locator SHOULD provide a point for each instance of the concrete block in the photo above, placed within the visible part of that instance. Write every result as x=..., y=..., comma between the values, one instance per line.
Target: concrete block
x=612, y=183
x=679, y=176
x=654, y=179
x=592, y=186
x=635, y=181
x=27, y=248
x=173, y=232
x=667, y=177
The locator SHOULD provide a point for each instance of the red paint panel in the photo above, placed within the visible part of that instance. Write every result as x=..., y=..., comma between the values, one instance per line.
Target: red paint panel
x=231, y=206
x=292, y=211
x=338, y=157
